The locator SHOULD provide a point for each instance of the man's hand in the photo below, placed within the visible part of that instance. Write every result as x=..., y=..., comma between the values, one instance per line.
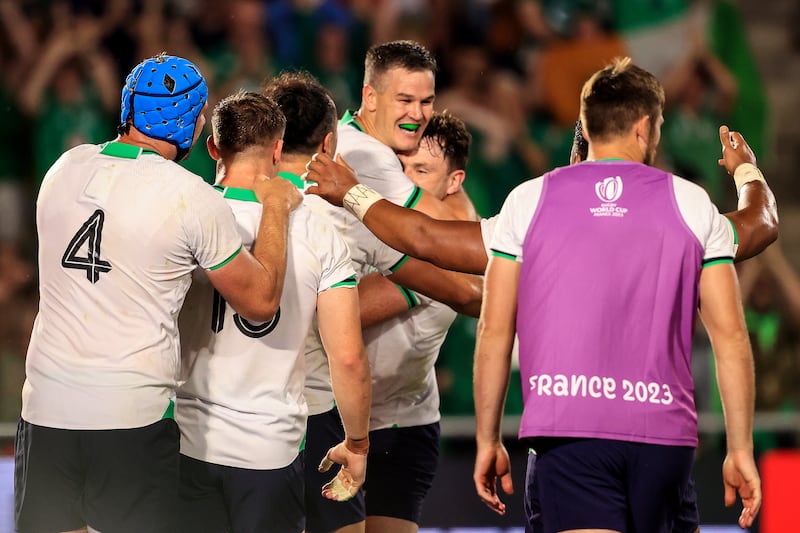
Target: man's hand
x=277, y=193
x=332, y=178
x=739, y=473
x=491, y=463
x=350, y=476
x=735, y=150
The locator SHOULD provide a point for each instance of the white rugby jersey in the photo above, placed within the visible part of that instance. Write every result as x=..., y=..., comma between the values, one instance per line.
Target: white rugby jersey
x=242, y=403
x=378, y=167
x=402, y=353
x=120, y=232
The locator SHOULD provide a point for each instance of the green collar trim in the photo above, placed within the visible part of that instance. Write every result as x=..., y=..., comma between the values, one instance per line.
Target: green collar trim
x=608, y=159
x=349, y=119
x=294, y=178
x=124, y=151
x=234, y=193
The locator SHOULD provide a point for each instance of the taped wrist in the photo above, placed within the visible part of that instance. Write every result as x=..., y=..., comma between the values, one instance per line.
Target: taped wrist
x=746, y=172
x=358, y=446
x=359, y=199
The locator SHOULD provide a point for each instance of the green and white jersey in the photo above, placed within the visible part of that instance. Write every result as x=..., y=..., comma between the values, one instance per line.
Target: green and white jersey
x=378, y=167
x=120, y=232
x=242, y=403
x=402, y=353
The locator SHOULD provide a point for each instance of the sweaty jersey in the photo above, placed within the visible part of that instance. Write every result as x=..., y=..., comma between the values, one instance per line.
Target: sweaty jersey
x=120, y=232
x=611, y=255
x=242, y=403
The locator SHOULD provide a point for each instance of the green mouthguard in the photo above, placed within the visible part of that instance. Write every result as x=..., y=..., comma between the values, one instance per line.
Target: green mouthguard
x=410, y=127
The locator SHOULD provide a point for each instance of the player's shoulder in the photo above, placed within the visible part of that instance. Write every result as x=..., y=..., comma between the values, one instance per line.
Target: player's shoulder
x=351, y=139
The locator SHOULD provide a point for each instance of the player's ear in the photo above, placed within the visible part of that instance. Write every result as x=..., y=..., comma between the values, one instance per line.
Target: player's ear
x=213, y=151
x=277, y=150
x=329, y=143
x=454, y=181
x=368, y=97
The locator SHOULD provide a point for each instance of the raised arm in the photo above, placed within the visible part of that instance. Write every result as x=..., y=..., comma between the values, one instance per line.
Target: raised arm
x=756, y=221
x=448, y=244
x=253, y=282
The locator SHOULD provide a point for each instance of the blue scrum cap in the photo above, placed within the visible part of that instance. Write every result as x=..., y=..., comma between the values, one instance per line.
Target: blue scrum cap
x=163, y=97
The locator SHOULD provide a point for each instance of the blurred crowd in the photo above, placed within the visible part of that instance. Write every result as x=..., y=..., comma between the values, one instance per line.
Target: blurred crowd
x=511, y=69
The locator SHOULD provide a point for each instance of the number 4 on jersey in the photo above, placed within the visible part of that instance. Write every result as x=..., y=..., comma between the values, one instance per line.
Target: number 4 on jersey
x=90, y=233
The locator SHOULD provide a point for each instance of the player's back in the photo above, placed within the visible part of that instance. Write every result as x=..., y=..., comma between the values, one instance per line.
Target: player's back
x=244, y=380
x=120, y=231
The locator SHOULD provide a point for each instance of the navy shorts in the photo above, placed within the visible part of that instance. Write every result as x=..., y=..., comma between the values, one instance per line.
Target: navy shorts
x=325, y=431
x=687, y=520
x=401, y=466
x=220, y=499
x=116, y=481
x=609, y=484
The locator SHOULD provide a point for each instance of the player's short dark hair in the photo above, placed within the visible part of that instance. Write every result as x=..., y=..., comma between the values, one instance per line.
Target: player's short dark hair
x=309, y=109
x=617, y=96
x=453, y=138
x=409, y=55
x=246, y=119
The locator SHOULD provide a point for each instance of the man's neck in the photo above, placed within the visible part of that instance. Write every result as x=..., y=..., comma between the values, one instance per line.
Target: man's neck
x=136, y=138
x=294, y=163
x=365, y=121
x=627, y=150
x=242, y=173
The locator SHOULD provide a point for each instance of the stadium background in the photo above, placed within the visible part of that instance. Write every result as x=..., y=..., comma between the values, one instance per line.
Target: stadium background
x=512, y=70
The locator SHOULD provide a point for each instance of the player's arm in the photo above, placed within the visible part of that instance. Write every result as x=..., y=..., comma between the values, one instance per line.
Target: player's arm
x=253, y=282
x=340, y=331
x=722, y=315
x=381, y=299
x=756, y=221
x=494, y=342
x=453, y=245
x=462, y=292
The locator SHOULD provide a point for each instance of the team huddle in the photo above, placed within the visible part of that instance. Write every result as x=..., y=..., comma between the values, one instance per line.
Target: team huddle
x=288, y=383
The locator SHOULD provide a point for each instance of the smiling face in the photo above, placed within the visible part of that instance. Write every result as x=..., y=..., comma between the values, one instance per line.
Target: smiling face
x=428, y=169
x=399, y=106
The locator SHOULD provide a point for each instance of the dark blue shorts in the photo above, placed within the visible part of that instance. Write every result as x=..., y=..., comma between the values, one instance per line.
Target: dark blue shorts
x=117, y=480
x=687, y=521
x=401, y=466
x=221, y=499
x=608, y=484
x=323, y=515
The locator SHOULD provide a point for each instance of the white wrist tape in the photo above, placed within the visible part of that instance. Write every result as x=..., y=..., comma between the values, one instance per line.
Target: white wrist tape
x=359, y=199
x=746, y=172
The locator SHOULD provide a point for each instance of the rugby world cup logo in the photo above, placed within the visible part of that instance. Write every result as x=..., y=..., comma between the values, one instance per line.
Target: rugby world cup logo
x=609, y=190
